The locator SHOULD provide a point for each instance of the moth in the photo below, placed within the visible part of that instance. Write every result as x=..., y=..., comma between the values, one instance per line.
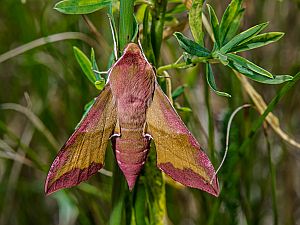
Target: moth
x=131, y=111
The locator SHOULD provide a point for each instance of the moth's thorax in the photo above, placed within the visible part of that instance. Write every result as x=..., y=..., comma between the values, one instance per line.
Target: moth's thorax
x=132, y=83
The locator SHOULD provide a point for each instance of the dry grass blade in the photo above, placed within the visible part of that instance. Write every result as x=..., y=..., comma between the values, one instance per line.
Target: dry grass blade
x=8, y=153
x=34, y=119
x=271, y=119
x=46, y=40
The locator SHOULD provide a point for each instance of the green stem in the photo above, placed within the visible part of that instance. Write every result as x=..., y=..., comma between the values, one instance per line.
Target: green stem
x=211, y=135
x=273, y=180
x=126, y=22
x=118, y=197
x=184, y=65
x=158, y=20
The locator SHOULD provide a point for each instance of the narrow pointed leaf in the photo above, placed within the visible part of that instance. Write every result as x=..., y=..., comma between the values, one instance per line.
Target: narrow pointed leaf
x=242, y=66
x=248, y=66
x=146, y=41
x=195, y=21
x=136, y=28
x=85, y=64
x=258, y=41
x=81, y=6
x=242, y=37
x=180, y=8
x=178, y=91
x=190, y=46
x=278, y=79
x=227, y=23
x=100, y=81
x=234, y=27
x=211, y=81
x=94, y=64
x=215, y=25
x=183, y=109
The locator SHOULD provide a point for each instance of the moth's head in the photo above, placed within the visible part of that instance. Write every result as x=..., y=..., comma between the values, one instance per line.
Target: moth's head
x=132, y=48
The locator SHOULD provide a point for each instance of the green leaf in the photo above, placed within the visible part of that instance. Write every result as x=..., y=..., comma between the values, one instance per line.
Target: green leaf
x=100, y=81
x=195, y=21
x=190, y=46
x=155, y=191
x=126, y=21
x=246, y=67
x=94, y=64
x=85, y=64
x=215, y=25
x=180, y=8
x=178, y=91
x=211, y=81
x=139, y=203
x=278, y=79
x=243, y=37
x=234, y=27
x=99, y=84
x=81, y=6
x=136, y=28
x=146, y=41
x=183, y=109
x=255, y=72
x=229, y=20
x=258, y=41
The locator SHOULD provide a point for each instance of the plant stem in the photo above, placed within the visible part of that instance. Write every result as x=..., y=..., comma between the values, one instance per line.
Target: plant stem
x=184, y=65
x=118, y=197
x=273, y=180
x=211, y=135
x=126, y=21
x=158, y=20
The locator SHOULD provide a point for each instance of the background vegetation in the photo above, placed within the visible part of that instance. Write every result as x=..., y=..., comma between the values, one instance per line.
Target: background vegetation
x=43, y=92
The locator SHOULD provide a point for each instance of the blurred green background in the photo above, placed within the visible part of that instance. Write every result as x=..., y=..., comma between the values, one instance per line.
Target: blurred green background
x=47, y=91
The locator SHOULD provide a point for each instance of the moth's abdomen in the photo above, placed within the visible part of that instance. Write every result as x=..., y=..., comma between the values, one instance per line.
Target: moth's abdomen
x=131, y=153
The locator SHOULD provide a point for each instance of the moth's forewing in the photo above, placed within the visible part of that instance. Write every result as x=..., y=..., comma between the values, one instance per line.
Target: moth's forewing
x=83, y=154
x=178, y=153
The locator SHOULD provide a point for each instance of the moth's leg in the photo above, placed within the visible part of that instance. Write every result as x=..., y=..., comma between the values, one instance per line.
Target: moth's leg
x=117, y=130
x=145, y=134
x=101, y=72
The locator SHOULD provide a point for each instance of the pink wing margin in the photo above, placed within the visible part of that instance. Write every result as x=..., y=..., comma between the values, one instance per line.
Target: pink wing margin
x=179, y=154
x=84, y=152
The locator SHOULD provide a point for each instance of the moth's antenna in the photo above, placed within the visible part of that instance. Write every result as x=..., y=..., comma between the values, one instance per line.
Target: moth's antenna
x=113, y=32
x=227, y=137
x=141, y=47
